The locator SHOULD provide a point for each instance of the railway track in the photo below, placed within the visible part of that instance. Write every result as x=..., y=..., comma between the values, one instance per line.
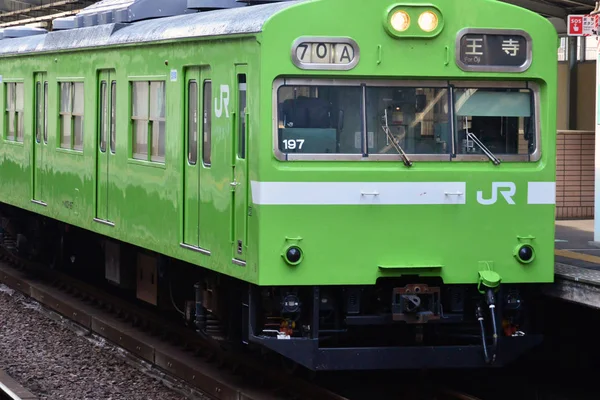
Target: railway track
x=172, y=349
x=175, y=353
x=11, y=390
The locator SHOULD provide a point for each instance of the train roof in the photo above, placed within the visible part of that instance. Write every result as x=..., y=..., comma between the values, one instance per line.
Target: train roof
x=241, y=20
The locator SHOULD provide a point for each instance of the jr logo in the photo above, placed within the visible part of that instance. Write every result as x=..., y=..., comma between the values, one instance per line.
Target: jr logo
x=222, y=102
x=506, y=189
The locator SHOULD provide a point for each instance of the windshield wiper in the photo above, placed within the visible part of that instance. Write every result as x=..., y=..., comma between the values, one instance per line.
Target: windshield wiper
x=392, y=139
x=474, y=138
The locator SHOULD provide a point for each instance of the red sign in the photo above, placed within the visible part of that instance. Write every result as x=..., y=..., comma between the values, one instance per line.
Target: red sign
x=575, y=25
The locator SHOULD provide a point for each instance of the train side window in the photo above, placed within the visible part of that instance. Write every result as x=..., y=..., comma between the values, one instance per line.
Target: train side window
x=157, y=118
x=206, y=126
x=14, y=111
x=78, y=115
x=242, y=116
x=71, y=115
x=192, y=122
x=39, y=112
x=140, y=120
x=45, y=112
x=20, y=107
x=149, y=120
x=113, y=115
x=103, y=106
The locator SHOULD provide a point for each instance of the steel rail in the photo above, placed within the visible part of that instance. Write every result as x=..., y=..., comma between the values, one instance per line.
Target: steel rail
x=10, y=389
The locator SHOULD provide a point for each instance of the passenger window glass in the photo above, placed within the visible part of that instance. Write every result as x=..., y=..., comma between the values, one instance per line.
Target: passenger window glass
x=103, y=111
x=39, y=112
x=10, y=102
x=46, y=112
x=14, y=110
x=320, y=119
x=242, y=116
x=20, y=107
x=206, y=127
x=113, y=116
x=157, y=116
x=149, y=120
x=192, y=122
x=500, y=119
x=417, y=118
x=140, y=119
x=65, y=114
x=71, y=115
x=78, y=107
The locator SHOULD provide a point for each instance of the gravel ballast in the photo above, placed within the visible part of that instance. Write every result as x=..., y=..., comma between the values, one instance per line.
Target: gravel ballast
x=54, y=362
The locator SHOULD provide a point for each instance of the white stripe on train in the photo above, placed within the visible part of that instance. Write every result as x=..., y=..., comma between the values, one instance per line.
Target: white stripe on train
x=390, y=193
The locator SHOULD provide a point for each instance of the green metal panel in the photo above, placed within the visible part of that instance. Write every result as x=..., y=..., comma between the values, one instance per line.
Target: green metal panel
x=358, y=244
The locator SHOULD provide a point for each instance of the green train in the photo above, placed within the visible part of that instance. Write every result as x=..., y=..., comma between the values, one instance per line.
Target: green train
x=338, y=184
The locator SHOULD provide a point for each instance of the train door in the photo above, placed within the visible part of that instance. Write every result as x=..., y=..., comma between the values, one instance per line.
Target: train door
x=196, y=197
x=106, y=139
x=239, y=182
x=40, y=144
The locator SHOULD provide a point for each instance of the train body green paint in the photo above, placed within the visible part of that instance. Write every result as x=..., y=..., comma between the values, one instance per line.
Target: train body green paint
x=357, y=215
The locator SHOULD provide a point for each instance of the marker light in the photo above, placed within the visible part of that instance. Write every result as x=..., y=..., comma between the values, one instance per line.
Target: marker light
x=524, y=253
x=400, y=21
x=428, y=21
x=292, y=255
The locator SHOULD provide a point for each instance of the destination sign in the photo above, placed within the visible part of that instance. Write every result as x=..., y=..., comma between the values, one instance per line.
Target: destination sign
x=325, y=53
x=494, y=51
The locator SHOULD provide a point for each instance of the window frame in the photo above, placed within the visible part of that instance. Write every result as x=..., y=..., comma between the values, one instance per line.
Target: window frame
x=112, y=128
x=72, y=115
x=41, y=105
x=149, y=158
x=207, y=105
x=190, y=111
x=450, y=156
x=15, y=140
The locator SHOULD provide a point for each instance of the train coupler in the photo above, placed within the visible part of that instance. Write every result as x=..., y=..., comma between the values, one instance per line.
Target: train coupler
x=416, y=303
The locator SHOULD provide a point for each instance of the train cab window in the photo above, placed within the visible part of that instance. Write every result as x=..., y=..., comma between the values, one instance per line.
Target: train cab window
x=71, y=115
x=498, y=120
x=383, y=120
x=417, y=118
x=14, y=111
x=206, y=126
x=192, y=122
x=319, y=119
x=149, y=120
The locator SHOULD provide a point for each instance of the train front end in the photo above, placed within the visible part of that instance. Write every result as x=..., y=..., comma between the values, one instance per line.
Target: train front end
x=405, y=185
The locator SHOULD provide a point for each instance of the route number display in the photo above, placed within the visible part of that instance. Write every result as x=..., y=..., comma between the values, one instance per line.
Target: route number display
x=325, y=53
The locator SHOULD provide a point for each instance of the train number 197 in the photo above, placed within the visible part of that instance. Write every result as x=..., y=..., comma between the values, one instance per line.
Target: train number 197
x=293, y=144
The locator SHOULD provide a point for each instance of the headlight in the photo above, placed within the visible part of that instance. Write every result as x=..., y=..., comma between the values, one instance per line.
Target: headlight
x=400, y=21
x=428, y=21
